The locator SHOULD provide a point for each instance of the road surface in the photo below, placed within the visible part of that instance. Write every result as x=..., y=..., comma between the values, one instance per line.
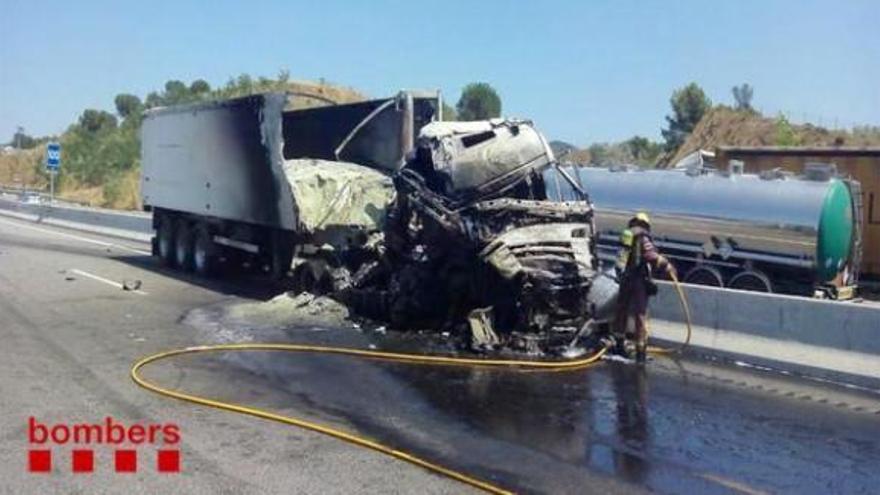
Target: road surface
x=70, y=334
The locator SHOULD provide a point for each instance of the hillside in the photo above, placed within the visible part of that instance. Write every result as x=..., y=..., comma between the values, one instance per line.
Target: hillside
x=21, y=167
x=725, y=126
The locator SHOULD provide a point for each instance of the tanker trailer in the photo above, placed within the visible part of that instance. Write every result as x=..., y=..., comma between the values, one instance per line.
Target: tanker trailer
x=772, y=232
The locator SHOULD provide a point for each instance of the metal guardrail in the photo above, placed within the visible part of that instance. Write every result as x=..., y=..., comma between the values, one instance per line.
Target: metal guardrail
x=43, y=196
x=138, y=224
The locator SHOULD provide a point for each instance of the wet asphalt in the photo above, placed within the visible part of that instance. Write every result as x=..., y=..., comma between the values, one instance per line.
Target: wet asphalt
x=677, y=425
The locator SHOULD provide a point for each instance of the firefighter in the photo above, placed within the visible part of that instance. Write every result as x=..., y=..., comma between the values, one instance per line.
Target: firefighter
x=636, y=286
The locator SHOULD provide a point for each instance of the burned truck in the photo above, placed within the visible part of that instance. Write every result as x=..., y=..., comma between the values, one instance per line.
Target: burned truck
x=407, y=219
x=472, y=240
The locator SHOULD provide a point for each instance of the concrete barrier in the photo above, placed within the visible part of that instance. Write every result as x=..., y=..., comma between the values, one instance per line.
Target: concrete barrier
x=829, y=339
x=129, y=225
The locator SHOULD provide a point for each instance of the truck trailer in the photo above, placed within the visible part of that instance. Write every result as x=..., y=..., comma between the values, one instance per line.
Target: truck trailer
x=221, y=177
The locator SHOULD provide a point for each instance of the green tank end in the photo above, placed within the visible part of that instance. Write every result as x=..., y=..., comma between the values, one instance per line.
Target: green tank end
x=835, y=231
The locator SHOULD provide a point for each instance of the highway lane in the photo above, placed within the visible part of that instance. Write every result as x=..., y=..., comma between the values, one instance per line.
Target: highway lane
x=689, y=425
x=677, y=426
x=68, y=341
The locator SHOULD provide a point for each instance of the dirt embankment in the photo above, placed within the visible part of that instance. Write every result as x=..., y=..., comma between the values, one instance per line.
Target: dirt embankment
x=311, y=94
x=723, y=126
x=25, y=169
x=21, y=168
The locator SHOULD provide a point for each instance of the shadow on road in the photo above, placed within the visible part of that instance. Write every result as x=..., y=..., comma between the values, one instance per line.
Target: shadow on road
x=238, y=282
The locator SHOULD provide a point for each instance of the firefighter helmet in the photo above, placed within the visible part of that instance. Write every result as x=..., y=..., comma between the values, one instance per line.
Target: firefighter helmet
x=642, y=219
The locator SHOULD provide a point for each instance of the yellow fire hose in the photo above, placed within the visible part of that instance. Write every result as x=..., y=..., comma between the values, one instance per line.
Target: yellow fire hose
x=682, y=299
x=368, y=354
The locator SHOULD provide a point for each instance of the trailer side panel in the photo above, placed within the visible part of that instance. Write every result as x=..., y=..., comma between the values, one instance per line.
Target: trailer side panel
x=220, y=160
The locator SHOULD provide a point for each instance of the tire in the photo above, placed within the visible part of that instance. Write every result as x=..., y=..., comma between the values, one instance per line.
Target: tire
x=282, y=254
x=313, y=277
x=183, y=246
x=165, y=241
x=704, y=275
x=206, y=258
x=751, y=280
x=304, y=278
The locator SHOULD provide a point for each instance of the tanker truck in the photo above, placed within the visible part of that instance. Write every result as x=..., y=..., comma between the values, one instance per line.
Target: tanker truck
x=774, y=232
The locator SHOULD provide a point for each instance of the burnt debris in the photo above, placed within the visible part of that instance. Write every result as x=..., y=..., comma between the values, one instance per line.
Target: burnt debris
x=472, y=244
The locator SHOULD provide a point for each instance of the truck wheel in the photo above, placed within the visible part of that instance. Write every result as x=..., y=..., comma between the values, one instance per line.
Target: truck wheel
x=282, y=254
x=165, y=242
x=303, y=278
x=183, y=246
x=752, y=280
x=704, y=275
x=205, y=255
x=312, y=277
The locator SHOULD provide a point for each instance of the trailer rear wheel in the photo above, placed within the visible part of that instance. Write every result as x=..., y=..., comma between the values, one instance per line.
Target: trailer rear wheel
x=281, y=255
x=752, y=280
x=205, y=255
x=704, y=275
x=165, y=241
x=183, y=245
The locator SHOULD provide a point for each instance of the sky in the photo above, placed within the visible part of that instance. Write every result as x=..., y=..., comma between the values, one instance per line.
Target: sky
x=583, y=71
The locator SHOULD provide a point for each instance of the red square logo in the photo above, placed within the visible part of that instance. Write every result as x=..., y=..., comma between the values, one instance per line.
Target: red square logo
x=39, y=461
x=125, y=461
x=83, y=461
x=169, y=461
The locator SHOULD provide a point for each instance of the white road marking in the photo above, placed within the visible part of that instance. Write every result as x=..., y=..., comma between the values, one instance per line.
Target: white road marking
x=104, y=280
x=76, y=237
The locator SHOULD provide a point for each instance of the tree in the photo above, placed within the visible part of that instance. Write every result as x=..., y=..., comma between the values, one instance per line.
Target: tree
x=742, y=97
x=175, y=92
x=199, y=86
x=127, y=104
x=478, y=101
x=97, y=120
x=786, y=135
x=689, y=104
x=642, y=150
x=598, y=153
x=153, y=100
x=21, y=140
x=449, y=113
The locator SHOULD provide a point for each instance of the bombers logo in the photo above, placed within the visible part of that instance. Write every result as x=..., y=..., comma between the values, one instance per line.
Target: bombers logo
x=80, y=438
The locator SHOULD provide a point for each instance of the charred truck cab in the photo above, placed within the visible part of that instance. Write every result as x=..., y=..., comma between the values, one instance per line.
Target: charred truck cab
x=474, y=237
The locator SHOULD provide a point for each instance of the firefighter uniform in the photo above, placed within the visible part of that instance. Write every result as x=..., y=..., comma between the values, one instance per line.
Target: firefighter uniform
x=637, y=285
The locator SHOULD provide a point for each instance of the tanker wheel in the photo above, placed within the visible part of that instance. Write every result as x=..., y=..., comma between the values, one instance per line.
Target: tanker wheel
x=751, y=280
x=165, y=241
x=183, y=245
x=704, y=275
x=205, y=253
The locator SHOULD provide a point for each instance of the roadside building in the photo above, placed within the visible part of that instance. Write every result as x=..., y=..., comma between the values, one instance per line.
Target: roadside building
x=862, y=164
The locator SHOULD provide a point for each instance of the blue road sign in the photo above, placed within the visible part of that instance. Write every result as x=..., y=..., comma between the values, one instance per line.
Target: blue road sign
x=53, y=156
